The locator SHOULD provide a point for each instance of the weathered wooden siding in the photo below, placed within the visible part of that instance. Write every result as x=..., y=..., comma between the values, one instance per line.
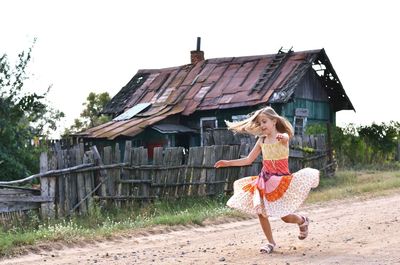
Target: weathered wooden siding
x=311, y=95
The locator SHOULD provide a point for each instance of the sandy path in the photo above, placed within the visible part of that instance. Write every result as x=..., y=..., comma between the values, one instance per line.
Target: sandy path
x=348, y=232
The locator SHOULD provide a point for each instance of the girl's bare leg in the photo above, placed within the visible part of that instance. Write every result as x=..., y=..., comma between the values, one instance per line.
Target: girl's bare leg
x=301, y=221
x=266, y=227
x=293, y=219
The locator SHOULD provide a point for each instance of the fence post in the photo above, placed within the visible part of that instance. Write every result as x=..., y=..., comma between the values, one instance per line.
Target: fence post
x=80, y=180
x=47, y=188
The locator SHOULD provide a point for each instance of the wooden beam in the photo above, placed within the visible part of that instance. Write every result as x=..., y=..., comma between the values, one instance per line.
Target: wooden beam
x=26, y=199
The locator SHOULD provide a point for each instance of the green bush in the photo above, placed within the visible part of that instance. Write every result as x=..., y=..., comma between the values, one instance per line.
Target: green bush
x=359, y=146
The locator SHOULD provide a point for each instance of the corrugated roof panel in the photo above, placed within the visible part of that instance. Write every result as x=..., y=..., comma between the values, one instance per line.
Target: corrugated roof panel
x=193, y=91
x=225, y=99
x=195, y=70
x=111, y=127
x=165, y=95
x=205, y=73
x=242, y=74
x=117, y=130
x=203, y=90
x=146, y=122
x=172, y=128
x=159, y=81
x=135, y=98
x=254, y=75
x=180, y=76
x=132, y=112
x=94, y=129
x=219, y=87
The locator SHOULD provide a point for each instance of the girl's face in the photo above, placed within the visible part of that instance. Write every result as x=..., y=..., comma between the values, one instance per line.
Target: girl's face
x=267, y=124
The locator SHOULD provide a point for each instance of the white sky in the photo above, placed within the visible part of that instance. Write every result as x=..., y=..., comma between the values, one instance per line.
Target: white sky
x=97, y=46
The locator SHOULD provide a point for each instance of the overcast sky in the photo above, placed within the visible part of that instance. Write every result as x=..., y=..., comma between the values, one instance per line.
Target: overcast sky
x=97, y=46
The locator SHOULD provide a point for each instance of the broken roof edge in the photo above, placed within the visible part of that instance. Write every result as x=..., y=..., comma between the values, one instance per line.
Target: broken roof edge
x=323, y=52
x=219, y=59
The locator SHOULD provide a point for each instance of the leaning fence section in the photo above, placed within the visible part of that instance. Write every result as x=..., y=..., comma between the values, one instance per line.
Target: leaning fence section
x=16, y=201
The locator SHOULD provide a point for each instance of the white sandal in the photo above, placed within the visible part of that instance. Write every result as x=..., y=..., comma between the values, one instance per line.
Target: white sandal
x=268, y=248
x=303, y=234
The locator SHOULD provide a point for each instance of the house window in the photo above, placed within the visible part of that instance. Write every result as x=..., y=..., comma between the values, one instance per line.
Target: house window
x=300, y=121
x=299, y=125
x=207, y=123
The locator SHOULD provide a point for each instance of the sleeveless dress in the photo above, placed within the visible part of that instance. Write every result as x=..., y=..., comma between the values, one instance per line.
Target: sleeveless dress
x=275, y=191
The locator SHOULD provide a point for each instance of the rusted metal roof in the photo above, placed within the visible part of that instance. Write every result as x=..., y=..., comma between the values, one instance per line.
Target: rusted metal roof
x=219, y=83
x=172, y=128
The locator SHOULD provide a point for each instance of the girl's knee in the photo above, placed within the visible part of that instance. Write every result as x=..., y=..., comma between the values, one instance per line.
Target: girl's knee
x=260, y=216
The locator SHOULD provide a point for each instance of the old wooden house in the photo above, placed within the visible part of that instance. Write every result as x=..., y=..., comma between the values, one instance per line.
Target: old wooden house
x=174, y=106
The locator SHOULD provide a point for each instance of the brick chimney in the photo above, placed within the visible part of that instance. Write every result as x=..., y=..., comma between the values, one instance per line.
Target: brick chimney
x=197, y=55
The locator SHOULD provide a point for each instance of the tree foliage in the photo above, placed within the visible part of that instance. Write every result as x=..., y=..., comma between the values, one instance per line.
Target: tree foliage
x=91, y=115
x=23, y=117
x=362, y=145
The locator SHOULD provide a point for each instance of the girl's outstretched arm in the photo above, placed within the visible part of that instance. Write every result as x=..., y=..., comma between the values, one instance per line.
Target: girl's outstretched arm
x=243, y=161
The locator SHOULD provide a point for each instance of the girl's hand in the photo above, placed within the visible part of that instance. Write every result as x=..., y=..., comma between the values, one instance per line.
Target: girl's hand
x=282, y=137
x=222, y=163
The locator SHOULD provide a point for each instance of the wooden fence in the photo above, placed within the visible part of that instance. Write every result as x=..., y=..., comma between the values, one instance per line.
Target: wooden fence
x=73, y=180
x=16, y=201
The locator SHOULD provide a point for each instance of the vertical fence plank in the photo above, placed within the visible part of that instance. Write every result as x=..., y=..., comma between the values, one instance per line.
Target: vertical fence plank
x=123, y=189
x=115, y=174
x=244, y=150
x=61, y=184
x=181, y=173
x=101, y=174
x=188, y=173
x=80, y=181
x=144, y=174
x=107, y=188
x=208, y=162
x=52, y=186
x=233, y=173
x=135, y=174
x=176, y=162
x=219, y=172
x=44, y=184
x=89, y=185
x=198, y=154
x=72, y=179
x=165, y=173
x=67, y=188
x=157, y=162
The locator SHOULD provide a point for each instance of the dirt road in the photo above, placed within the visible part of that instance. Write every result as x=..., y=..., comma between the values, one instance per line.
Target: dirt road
x=347, y=232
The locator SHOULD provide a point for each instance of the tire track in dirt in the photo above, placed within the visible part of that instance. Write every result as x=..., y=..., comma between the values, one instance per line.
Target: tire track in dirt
x=356, y=231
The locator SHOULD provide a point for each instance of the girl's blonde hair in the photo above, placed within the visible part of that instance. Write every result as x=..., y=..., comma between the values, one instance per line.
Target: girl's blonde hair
x=251, y=125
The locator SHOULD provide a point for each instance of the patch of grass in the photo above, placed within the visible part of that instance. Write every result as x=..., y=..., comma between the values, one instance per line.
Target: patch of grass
x=385, y=166
x=351, y=183
x=105, y=223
